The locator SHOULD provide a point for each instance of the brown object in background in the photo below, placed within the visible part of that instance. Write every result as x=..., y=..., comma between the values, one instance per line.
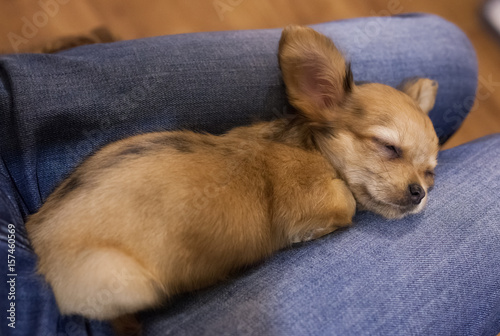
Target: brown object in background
x=98, y=35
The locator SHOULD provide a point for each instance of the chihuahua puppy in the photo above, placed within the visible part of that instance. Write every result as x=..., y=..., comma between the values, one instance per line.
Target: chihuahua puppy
x=162, y=213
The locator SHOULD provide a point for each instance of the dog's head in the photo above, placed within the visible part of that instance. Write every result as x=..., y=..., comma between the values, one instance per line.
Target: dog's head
x=378, y=138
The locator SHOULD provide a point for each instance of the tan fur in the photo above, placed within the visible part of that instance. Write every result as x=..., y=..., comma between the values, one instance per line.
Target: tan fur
x=164, y=213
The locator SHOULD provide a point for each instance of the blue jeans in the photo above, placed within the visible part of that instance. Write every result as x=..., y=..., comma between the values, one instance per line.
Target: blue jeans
x=435, y=273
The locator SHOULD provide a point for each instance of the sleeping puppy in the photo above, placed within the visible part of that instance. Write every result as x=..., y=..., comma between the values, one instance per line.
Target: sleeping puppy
x=163, y=213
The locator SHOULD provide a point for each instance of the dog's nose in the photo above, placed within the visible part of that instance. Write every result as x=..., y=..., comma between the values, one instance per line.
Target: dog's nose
x=416, y=193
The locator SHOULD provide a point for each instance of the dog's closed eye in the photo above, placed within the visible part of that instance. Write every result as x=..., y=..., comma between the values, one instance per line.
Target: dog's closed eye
x=394, y=151
x=389, y=150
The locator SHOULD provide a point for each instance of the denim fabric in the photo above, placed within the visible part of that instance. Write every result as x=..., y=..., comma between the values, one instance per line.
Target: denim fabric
x=435, y=273
x=57, y=109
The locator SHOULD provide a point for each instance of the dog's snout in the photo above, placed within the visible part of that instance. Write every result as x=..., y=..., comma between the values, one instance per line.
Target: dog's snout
x=417, y=193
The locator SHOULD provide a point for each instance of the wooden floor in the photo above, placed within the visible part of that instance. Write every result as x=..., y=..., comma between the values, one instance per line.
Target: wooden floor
x=25, y=25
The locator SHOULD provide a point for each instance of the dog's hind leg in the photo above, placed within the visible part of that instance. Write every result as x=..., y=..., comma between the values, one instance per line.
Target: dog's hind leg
x=103, y=283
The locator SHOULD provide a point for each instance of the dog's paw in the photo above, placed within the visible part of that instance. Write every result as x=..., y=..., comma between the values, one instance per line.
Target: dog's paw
x=312, y=234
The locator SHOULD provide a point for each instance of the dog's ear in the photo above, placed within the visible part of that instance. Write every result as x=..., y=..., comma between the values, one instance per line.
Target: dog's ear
x=315, y=73
x=422, y=90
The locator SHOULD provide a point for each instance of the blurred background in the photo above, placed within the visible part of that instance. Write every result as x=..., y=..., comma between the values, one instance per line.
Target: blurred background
x=28, y=26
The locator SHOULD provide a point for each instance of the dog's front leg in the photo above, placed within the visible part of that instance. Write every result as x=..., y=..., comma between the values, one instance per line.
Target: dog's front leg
x=326, y=212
